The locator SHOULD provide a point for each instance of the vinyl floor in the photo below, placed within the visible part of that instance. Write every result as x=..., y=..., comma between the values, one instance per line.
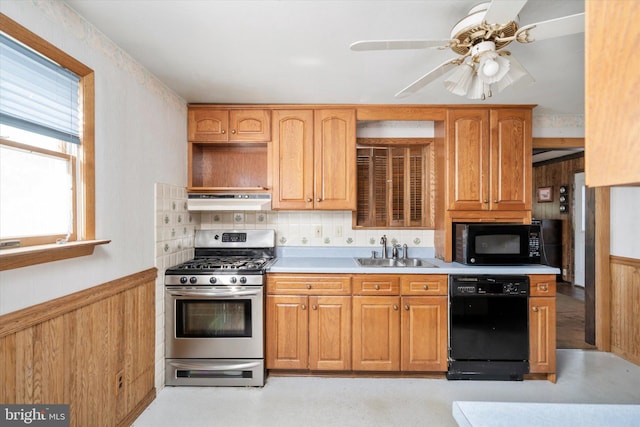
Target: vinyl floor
x=584, y=376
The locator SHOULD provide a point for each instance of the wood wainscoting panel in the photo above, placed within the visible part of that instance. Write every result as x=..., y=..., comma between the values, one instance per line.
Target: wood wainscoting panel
x=93, y=350
x=625, y=299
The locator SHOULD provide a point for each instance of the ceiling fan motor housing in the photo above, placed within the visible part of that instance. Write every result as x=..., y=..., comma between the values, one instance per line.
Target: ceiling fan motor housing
x=472, y=30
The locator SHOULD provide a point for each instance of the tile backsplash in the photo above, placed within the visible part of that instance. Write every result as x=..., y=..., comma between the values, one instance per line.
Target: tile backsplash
x=175, y=230
x=313, y=228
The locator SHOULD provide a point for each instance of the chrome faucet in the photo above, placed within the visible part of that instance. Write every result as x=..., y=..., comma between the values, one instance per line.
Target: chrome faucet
x=394, y=251
x=405, y=250
x=383, y=242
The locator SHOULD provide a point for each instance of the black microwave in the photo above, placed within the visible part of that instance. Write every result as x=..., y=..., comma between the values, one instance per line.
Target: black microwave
x=496, y=244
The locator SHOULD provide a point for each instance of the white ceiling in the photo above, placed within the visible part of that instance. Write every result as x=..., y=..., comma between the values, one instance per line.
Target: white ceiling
x=297, y=51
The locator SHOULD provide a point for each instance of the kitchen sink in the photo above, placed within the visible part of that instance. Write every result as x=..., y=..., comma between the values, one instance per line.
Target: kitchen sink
x=391, y=262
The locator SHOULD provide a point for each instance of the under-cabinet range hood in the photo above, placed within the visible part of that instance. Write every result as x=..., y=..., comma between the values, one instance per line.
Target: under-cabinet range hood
x=229, y=202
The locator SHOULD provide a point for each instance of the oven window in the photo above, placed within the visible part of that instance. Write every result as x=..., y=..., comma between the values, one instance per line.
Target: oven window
x=498, y=244
x=198, y=318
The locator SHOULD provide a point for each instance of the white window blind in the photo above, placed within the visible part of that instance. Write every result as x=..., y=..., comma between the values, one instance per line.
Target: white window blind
x=37, y=94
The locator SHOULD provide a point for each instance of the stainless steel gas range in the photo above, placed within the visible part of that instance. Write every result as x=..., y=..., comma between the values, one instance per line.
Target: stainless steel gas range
x=214, y=310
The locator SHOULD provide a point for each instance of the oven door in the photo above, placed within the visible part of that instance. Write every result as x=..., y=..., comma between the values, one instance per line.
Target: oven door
x=214, y=322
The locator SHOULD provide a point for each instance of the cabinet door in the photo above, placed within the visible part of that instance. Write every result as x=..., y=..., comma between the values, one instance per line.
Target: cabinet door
x=287, y=332
x=250, y=125
x=424, y=333
x=292, y=159
x=330, y=333
x=510, y=160
x=208, y=125
x=542, y=335
x=468, y=160
x=376, y=333
x=335, y=159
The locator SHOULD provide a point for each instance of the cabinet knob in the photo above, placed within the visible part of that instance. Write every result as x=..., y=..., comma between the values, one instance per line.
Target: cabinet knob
x=309, y=200
x=496, y=201
x=233, y=131
x=224, y=131
x=406, y=307
x=395, y=307
x=544, y=287
x=535, y=309
x=314, y=307
x=304, y=307
x=486, y=200
x=308, y=285
x=426, y=287
x=377, y=287
x=318, y=199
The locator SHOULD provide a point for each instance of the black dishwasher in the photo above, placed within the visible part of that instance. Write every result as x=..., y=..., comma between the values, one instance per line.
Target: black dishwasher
x=488, y=327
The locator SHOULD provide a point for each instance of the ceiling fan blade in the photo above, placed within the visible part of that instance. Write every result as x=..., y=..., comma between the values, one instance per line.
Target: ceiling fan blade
x=397, y=44
x=439, y=71
x=503, y=11
x=556, y=27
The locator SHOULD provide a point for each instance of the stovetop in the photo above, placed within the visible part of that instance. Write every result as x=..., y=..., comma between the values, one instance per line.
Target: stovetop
x=224, y=265
x=226, y=257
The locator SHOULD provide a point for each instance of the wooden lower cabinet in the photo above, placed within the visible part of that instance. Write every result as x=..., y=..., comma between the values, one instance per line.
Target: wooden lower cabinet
x=391, y=323
x=542, y=325
x=542, y=335
x=405, y=332
x=376, y=333
x=424, y=334
x=308, y=332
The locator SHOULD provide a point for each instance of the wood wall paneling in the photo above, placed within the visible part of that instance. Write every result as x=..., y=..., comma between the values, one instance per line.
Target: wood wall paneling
x=625, y=298
x=556, y=174
x=71, y=350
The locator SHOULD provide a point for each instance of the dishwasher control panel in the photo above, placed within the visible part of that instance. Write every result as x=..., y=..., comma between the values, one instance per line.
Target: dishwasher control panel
x=481, y=285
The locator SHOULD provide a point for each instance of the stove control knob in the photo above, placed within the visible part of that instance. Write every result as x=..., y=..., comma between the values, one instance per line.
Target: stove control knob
x=193, y=280
x=183, y=280
x=243, y=280
x=233, y=280
x=212, y=280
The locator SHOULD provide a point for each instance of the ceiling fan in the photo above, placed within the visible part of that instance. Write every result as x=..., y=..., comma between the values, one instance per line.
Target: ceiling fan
x=478, y=39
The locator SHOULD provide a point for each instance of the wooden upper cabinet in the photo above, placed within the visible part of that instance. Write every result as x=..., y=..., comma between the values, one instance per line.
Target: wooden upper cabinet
x=335, y=159
x=611, y=93
x=468, y=159
x=223, y=125
x=314, y=156
x=489, y=160
x=292, y=147
x=510, y=155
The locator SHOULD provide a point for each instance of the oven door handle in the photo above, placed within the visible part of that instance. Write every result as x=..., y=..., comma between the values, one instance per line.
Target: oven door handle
x=223, y=294
x=216, y=367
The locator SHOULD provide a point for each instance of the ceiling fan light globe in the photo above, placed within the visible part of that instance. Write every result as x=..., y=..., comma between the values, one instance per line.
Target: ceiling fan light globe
x=459, y=81
x=478, y=89
x=493, y=68
x=490, y=68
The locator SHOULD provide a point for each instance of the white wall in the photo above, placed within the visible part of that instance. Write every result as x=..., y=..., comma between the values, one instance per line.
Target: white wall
x=140, y=140
x=625, y=227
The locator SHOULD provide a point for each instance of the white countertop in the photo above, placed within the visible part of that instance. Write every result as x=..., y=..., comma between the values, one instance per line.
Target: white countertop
x=342, y=260
x=521, y=414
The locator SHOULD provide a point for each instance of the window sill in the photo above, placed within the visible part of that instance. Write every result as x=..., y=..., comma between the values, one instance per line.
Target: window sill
x=32, y=255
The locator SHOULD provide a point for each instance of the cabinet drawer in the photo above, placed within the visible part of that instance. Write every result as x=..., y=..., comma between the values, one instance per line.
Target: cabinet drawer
x=424, y=284
x=309, y=284
x=376, y=284
x=542, y=285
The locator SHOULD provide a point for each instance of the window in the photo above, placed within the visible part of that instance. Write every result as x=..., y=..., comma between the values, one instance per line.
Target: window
x=395, y=183
x=46, y=142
